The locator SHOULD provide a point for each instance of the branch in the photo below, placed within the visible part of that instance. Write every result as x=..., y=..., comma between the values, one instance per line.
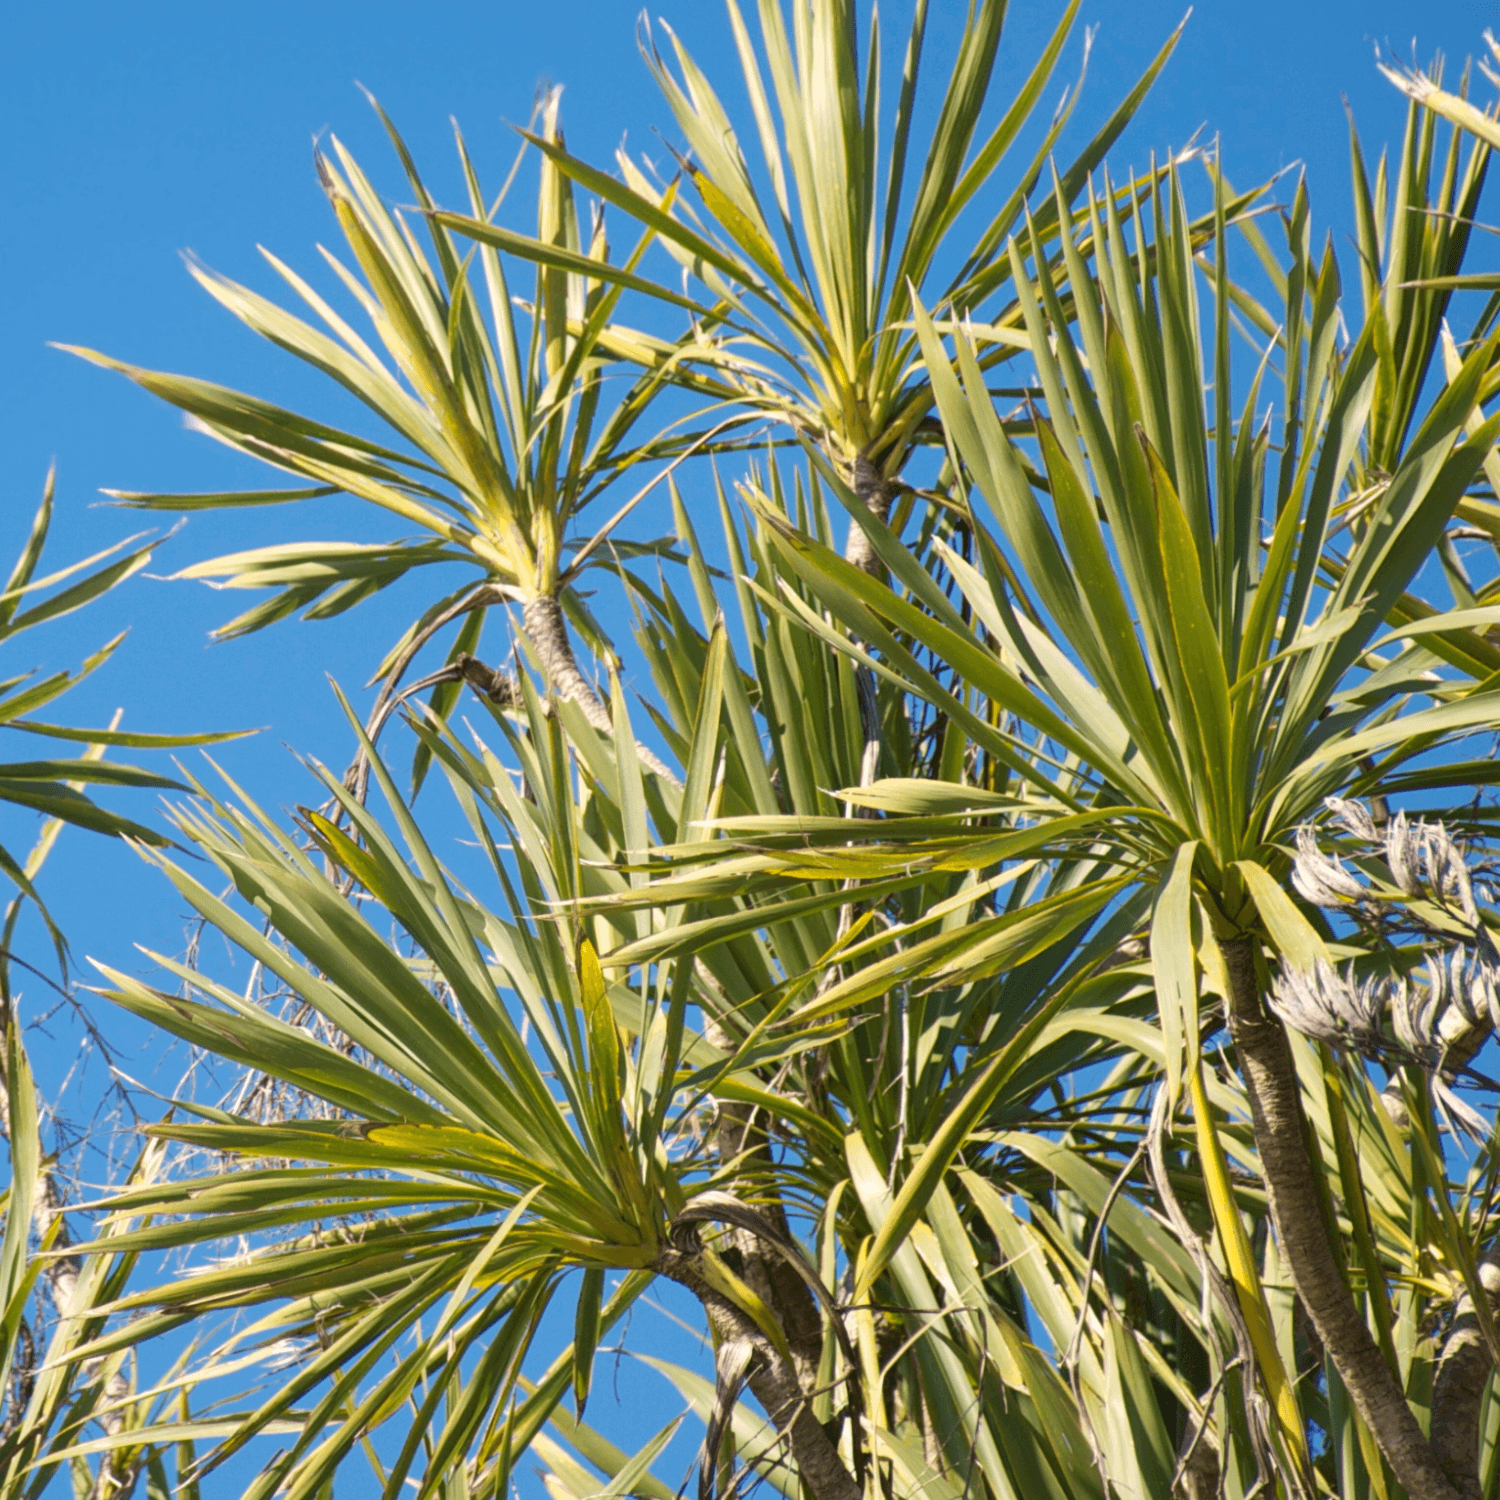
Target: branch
x=548, y=634
x=1281, y=1138
x=1458, y=1391
x=771, y=1377
x=875, y=492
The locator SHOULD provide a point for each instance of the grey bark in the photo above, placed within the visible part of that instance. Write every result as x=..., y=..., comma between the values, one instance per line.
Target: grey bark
x=1458, y=1391
x=875, y=492
x=738, y=1137
x=1281, y=1138
x=1465, y=1363
x=547, y=631
x=774, y=1381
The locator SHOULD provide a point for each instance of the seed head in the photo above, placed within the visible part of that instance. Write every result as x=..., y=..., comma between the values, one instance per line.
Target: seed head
x=1456, y=1114
x=1414, y=1016
x=1321, y=878
x=1355, y=816
x=1448, y=873
x=1330, y=1007
x=1467, y=982
x=1402, y=850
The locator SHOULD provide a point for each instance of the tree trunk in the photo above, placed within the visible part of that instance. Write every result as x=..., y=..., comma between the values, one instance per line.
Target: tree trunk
x=1281, y=1138
x=775, y=1385
x=738, y=1137
x=875, y=492
x=1464, y=1365
x=1458, y=1391
x=548, y=633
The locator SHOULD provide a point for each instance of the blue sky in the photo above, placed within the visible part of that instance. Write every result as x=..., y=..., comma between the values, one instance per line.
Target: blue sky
x=137, y=132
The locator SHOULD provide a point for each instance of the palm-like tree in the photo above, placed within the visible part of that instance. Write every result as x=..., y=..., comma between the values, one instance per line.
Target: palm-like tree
x=954, y=1082
x=502, y=437
x=497, y=1164
x=808, y=314
x=1206, y=664
x=494, y=1167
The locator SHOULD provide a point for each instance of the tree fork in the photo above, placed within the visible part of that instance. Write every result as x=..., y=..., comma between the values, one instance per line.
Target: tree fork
x=1458, y=1391
x=1270, y=1074
x=774, y=1382
x=739, y=1138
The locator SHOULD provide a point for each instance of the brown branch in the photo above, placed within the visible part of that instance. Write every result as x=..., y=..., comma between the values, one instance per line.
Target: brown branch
x=772, y=1379
x=357, y=777
x=1282, y=1139
x=1458, y=1390
x=738, y=1138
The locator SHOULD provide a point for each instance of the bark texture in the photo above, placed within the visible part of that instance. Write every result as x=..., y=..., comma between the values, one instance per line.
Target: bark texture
x=774, y=1382
x=547, y=631
x=739, y=1137
x=1464, y=1365
x=875, y=492
x=1198, y=1469
x=1458, y=1391
x=1265, y=1060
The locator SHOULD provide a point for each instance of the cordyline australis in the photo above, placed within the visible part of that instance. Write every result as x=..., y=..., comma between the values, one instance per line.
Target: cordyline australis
x=877, y=1005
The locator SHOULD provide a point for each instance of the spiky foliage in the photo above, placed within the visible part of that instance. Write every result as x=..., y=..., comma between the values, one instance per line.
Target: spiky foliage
x=48, y=1292
x=1197, y=694
x=806, y=317
x=54, y=788
x=954, y=1084
x=502, y=438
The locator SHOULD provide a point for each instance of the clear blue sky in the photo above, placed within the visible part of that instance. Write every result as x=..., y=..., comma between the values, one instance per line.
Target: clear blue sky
x=134, y=132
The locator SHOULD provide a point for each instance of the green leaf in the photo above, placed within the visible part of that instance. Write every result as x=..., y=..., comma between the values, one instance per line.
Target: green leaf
x=1175, y=965
x=586, y=1335
x=939, y=1154
x=1293, y=935
x=129, y=739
